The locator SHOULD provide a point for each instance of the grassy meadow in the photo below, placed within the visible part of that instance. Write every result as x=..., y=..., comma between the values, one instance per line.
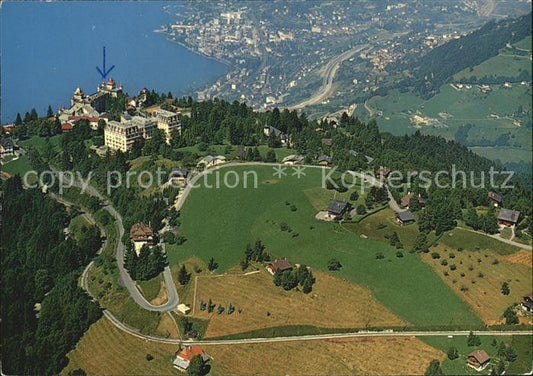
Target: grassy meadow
x=220, y=222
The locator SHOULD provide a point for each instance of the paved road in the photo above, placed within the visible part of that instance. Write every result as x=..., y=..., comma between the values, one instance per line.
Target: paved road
x=127, y=281
x=327, y=83
x=361, y=334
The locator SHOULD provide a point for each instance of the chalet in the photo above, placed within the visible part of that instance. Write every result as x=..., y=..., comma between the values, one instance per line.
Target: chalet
x=495, y=199
x=179, y=177
x=324, y=160
x=293, y=160
x=478, y=360
x=384, y=172
x=141, y=234
x=508, y=217
x=7, y=147
x=405, y=217
x=210, y=161
x=527, y=303
x=337, y=208
x=271, y=131
x=279, y=266
x=327, y=141
x=406, y=200
x=184, y=357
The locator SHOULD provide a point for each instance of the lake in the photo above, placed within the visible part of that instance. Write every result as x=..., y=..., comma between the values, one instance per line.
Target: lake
x=49, y=49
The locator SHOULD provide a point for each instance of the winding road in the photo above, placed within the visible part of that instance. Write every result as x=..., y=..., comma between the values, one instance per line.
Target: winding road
x=127, y=281
x=173, y=296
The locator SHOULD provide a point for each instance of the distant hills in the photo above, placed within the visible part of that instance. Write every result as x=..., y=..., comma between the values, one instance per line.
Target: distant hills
x=430, y=71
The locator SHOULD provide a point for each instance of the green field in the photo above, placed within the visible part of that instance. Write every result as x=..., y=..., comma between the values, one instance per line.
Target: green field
x=40, y=143
x=220, y=222
x=493, y=114
x=521, y=344
x=17, y=166
x=470, y=241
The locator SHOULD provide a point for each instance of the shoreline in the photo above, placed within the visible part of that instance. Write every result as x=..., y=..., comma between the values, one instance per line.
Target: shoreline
x=222, y=61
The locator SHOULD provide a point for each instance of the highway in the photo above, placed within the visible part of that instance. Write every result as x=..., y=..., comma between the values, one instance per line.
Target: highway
x=327, y=83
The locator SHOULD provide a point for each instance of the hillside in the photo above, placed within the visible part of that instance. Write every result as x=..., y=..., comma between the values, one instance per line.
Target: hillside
x=430, y=71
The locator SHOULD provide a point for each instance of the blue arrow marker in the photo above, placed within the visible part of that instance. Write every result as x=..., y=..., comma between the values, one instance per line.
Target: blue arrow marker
x=103, y=72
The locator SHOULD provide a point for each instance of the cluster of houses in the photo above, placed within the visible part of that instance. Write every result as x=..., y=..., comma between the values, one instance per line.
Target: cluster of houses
x=506, y=217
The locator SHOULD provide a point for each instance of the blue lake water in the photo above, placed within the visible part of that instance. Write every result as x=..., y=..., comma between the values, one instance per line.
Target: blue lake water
x=49, y=49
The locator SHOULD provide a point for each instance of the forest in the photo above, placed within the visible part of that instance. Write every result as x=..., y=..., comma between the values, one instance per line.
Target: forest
x=40, y=268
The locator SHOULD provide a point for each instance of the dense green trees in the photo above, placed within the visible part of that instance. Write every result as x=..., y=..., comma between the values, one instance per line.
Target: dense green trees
x=149, y=263
x=434, y=369
x=290, y=279
x=37, y=260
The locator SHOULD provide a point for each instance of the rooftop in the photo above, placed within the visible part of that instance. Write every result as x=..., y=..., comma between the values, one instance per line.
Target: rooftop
x=405, y=216
x=337, y=207
x=509, y=215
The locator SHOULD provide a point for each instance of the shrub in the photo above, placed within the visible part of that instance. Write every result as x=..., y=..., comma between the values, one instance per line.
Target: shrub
x=452, y=255
x=435, y=255
x=444, y=262
x=149, y=357
x=283, y=226
x=293, y=208
x=399, y=254
x=380, y=256
x=453, y=267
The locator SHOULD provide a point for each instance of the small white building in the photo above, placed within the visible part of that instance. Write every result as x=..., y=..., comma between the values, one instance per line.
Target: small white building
x=184, y=308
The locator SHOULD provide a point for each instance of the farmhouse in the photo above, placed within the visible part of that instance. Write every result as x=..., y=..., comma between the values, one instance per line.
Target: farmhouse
x=508, y=217
x=527, y=303
x=141, y=234
x=337, y=208
x=210, y=161
x=405, y=217
x=279, y=265
x=478, y=360
x=6, y=147
x=184, y=357
x=324, y=160
x=293, y=159
x=495, y=199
